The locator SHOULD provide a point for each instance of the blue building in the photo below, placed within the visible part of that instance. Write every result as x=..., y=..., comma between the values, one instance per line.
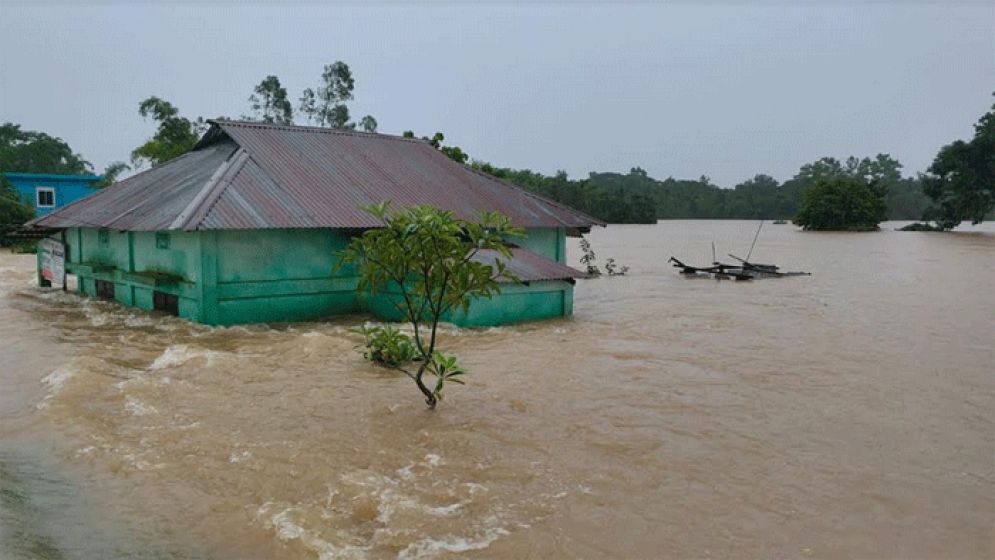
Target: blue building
x=47, y=192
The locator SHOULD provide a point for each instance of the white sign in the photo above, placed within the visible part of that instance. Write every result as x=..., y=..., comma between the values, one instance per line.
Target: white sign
x=53, y=261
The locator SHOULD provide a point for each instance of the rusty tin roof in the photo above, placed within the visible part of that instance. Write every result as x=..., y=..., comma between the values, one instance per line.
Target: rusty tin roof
x=528, y=266
x=247, y=175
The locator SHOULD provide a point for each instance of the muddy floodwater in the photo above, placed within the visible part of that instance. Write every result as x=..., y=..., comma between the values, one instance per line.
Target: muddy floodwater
x=849, y=414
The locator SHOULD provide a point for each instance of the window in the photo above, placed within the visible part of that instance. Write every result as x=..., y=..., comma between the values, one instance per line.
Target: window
x=168, y=303
x=45, y=197
x=162, y=241
x=105, y=289
x=103, y=236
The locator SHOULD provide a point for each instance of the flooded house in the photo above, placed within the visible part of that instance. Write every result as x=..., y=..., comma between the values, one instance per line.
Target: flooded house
x=46, y=192
x=244, y=228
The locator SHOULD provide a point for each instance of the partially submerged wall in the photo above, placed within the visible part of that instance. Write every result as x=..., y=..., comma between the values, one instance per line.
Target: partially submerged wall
x=233, y=277
x=138, y=264
x=280, y=275
x=516, y=303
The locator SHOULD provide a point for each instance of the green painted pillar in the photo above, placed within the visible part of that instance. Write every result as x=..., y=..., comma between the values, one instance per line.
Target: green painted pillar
x=131, y=267
x=208, y=285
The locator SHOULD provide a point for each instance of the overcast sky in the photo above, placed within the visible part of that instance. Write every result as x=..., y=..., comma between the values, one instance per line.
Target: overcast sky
x=682, y=89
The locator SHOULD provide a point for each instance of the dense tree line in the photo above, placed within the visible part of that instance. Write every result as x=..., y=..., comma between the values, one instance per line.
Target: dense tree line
x=636, y=197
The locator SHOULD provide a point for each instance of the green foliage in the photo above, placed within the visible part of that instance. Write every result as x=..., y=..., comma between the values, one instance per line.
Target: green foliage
x=961, y=179
x=338, y=83
x=368, y=123
x=387, y=346
x=614, y=269
x=28, y=151
x=13, y=210
x=309, y=105
x=588, y=258
x=24, y=248
x=607, y=200
x=425, y=256
x=326, y=106
x=174, y=136
x=270, y=102
x=454, y=153
x=446, y=369
x=842, y=204
x=638, y=198
x=111, y=173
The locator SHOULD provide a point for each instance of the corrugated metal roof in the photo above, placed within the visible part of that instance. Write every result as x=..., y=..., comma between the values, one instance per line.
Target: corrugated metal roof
x=528, y=266
x=302, y=177
x=148, y=201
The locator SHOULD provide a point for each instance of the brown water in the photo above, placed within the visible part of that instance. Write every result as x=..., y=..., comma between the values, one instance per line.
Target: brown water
x=850, y=414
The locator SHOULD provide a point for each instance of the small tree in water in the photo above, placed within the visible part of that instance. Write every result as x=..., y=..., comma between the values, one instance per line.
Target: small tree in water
x=424, y=258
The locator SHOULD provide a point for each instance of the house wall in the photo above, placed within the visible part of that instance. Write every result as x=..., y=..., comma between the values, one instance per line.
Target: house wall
x=235, y=277
x=68, y=188
x=113, y=255
x=280, y=275
x=548, y=242
x=516, y=303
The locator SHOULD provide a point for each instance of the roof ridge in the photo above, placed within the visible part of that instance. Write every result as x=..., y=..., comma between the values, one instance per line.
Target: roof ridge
x=316, y=129
x=198, y=207
x=109, y=188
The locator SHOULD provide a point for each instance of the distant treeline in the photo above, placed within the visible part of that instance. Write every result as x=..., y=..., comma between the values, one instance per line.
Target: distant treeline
x=638, y=198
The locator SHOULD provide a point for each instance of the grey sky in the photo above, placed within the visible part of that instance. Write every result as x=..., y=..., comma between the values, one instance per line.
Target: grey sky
x=722, y=89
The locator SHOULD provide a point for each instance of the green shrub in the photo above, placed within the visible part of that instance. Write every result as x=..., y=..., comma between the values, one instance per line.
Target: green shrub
x=387, y=346
x=842, y=204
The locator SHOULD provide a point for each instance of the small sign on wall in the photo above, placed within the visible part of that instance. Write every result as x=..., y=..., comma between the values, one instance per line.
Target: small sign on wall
x=53, y=261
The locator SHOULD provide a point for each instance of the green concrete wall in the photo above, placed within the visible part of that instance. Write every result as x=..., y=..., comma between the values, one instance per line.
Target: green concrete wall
x=236, y=277
x=280, y=275
x=516, y=303
x=548, y=242
x=120, y=253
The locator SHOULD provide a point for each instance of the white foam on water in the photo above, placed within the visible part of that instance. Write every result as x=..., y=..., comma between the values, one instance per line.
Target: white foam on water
x=238, y=457
x=56, y=381
x=287, y=529
x=426, y=548
x=389, y=501
x=405, y=472
x=133, y=320
x=138, y=408
x=85, y=451
x=474, y=488
x=179, y=354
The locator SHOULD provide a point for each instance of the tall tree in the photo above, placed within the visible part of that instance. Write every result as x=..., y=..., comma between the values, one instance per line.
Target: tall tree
x=336, y=89
x=368, y=123
x=309, y=105
x=36, y=152
x=174, y=136
x=961, y=180
x=270, y=102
